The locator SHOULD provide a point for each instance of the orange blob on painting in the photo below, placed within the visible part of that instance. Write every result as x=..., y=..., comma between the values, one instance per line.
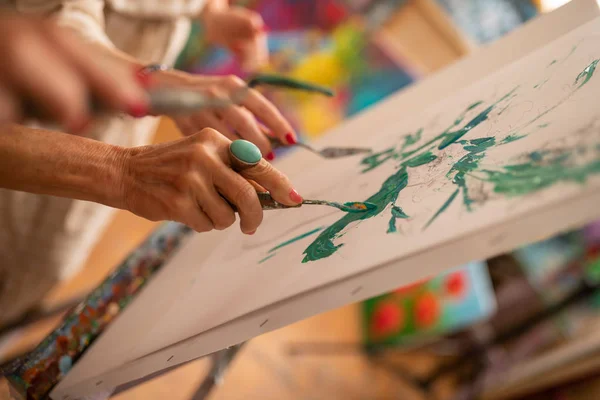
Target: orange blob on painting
x=456, y=284
x=427, y=310
x=387, y=320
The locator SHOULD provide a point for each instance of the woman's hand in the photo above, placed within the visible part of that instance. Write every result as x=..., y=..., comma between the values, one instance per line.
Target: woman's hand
x=191, y=181
x=240, y=30
x=49, y=69
x=235, y=121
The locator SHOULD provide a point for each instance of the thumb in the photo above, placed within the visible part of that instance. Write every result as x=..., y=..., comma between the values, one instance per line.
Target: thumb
x=274, y=181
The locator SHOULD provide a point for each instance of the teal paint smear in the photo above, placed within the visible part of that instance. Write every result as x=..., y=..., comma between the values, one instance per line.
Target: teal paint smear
x=421, y=159
x=586, y=74
x=323, y=245
x=552, y=63
x=397, y=213
x=267, y=258
x=442, y=208
x=512, y=138
x=295, y=239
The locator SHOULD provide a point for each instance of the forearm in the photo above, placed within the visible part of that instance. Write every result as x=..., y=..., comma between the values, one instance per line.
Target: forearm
x=57, y=164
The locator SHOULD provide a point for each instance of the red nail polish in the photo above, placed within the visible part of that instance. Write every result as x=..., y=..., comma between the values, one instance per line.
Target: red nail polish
x=290, y=138
x=143, y=78
x=138, y=110
x=251, y=233
x=270, y=156
x=296, y=198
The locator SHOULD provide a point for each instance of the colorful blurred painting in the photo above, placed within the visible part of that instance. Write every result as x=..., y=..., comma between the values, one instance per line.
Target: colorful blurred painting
x=318, y=41
x=440, y=305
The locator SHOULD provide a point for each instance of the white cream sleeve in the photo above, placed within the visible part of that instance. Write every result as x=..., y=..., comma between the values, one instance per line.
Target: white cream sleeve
x=84, y=16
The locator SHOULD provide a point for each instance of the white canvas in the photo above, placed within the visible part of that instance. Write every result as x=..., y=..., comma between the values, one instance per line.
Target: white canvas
x=218, y=280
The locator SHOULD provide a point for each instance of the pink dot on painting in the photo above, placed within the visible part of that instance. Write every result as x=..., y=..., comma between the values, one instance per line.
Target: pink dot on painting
x=427, y=310
x=387, y=319
x=456, y=284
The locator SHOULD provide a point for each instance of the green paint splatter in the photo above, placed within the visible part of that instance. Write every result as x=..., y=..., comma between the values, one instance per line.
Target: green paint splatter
x=586, y=74
x=442, y=208
x=476, y=104
x=420, y=159
x=479, y=145
x=375, y=160
x=512, y=180
x=267, y=258
x=452, y=137
x=295, y=239
x=512, y=138
x=323, y=245
x=541, y=84
x=540, y=173
x=397, y=213
x=409, y=140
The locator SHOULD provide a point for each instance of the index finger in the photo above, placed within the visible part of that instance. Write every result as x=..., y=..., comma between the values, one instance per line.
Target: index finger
x=269, y=115
x=274, y=181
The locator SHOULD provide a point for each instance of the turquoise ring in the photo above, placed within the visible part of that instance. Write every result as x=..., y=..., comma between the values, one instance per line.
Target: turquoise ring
x=244, y=154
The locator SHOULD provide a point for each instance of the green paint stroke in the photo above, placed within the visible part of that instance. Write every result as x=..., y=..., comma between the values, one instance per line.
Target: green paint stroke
x=586, y=74
x=442, y=208
x=397, y=213
x=479, y=145
x=375, y=160
x=323, y=246
x=452, y=137
x=267, y=258
x=542, y=171
x=420, y=159
x=295, y=239
x=409, y=140
x=474, y=105
x=512, y=180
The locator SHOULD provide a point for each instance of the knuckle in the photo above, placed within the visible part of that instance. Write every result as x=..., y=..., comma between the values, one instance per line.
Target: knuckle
x=233, y=81
x=246, y=195
x=178, y=208
x=262, y=169
x=203, y=227
x=223, y=220
x=207, y=133
x=213, y=91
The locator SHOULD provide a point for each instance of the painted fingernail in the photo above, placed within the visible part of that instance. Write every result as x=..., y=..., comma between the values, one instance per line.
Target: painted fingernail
x=296, y=198
x=290, y=138
x=251, y=233
x=270, y=156
x=143, y=78
x=138, y=110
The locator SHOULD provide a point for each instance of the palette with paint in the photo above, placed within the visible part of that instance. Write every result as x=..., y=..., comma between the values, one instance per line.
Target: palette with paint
x=508, y=160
